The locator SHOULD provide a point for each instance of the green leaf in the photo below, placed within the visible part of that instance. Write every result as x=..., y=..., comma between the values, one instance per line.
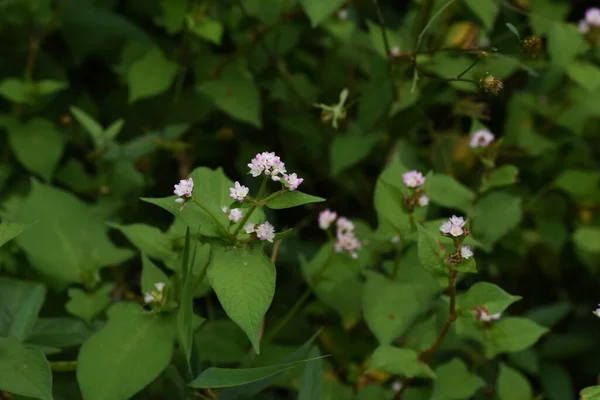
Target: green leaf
x=585, y=74
x=455, y=382
x=38, y=145
x=502, y=176
x=132, y=350
x=113, y=130
x=244, y=281
x=61, y=332
x=551, y=314
x=376, y=37
x=89, y=124
x=49, y=86
x=448, y=192
x=399, y=361
x=514, y=30
x=565, y=42
x=87, y=306
x=149, y=240
x=319, y=11
x=24, y=371
x=208, y=28
x=512, y=385
x=432, y=255
x=150, y=75
x=173, y=15
x=236, y=94
x=186, y=306
x=227, y=377
x=222, y=341
x=389, y=307
x=590, y=393
x=350, y=148
x=487, y=295
x=495, y=215
x=292, y=199
x=468, y=266
x=512, y=334
x=582, y=185
x=10, y=230
x=312, y=380
x=21, y=303
x=68, y=242
x=486, y=10
x=15, y=90
x=388, y=199
x=557, y=383
x=151, y=275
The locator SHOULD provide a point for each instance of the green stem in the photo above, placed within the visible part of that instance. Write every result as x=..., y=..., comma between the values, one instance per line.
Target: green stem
x=386, y=46
x=210, y=214
x=63, y=366
x=469, y=68
x=271, y=197
x=246, y=217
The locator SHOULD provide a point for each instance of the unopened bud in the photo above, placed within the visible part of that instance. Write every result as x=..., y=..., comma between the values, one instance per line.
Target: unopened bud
x=491, y=85
x=533, y=44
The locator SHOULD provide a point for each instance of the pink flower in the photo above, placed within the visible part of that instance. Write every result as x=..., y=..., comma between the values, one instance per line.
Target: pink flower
x=466, y=252
x=484, y=315
x=413, y=179
x=481, y=138
x=235, y=215
x=454, y=226
x=238, y=192
x=292, y=181
x=592, y=16
x=184, y=190
x=344, y=225
x=267, y=164
x=249, y=228
x=265, y=231
x=326, y=218
x=347, y=242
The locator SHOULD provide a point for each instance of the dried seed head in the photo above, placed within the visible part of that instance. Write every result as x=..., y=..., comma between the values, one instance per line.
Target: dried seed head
x=533, y=44
x=491, y=85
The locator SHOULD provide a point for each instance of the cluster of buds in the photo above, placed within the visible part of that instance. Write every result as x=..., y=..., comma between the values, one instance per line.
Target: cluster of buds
x=234, y=215
x=490, y=84
x=336, y=112
x=483, y=314
x=269, y=164
x=415, y=181
x=346, y=240
x=264, y=231
x=184, y=189
x=156, y=298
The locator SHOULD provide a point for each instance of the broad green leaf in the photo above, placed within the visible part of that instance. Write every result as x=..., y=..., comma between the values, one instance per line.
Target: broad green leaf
x=89, y=124
x=244, y=281
x=399, y=361
x=557, y=383
x=312, y=379
x=544, y=14
x=68, y=242
x=10, y=230
x=292, y=199
x=467, y=266
x=585, y=74
x=319, y=11
x=15, y=90
x=389, y=307
x=502, y=176
x=24, y=371
x=265, y=10
x=151, y=275
x=235, y=93
x=376, y=37
x=228, y=377
x=38, y=145
x=125, y=356
x=432, y=255
x=61, y=332
x=590, y=393
x=173, y=15
x=87, y=306
x=149, y=240
x=207, y=28
x=349, y=148
x=495, y=215
x=551, y=314
x=388, y=199
x=222, y=341
x=186, y=306
x=582, y=185
x=150, y=75
x=455, y=382
x=487, y=295
x=565, y=42
x=486, y=11
x=21, y=303
x=587, y=239
x=448, y=192
x=512, y=385
x=512, y=334
x=49, y=86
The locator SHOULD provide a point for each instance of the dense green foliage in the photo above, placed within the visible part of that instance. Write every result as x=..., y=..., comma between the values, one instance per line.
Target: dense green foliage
x=112, y=287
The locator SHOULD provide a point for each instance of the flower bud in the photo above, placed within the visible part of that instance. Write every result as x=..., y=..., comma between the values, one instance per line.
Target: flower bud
x=533, y=44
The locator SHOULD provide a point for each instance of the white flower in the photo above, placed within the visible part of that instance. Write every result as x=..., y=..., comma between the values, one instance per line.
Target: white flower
x=445, y=228
x=466, y=252
x=456, y=231
x=396, y=386
x=413, y=179
x=326, y=218
x=155, y=296
x=346, y=241
x=184, y=188
x=423, y=200
x=249, y=228
x=268, y=164
x=343, y=14
x=484, y=315
x=292, y=181
x=592, y=16
x=454, y=226
x=266, y=231
x=597, y=312
x=238, y=192
x=583, y=26
x=395, y=51
x=344, y=225
x=235, y=215
x=459, y=221
x=395, y=239
x=481, y=138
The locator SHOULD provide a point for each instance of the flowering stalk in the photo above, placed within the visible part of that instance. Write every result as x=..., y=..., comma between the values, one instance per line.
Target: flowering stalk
x=261, y=191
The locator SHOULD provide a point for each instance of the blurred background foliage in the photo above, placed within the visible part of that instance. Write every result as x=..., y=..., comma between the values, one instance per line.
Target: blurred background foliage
x=108, y=101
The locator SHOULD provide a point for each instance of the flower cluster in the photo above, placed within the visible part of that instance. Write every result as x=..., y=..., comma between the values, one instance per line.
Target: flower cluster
x=235, y=215
x=264, y=231
x=269, y=164
x=184, y=190
x=415, y=180
x=157, y=296
x=454, y=227
x=346, y=239
x=238, y=192
x=483, y=314
x=481, y=138
x=591, y=20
